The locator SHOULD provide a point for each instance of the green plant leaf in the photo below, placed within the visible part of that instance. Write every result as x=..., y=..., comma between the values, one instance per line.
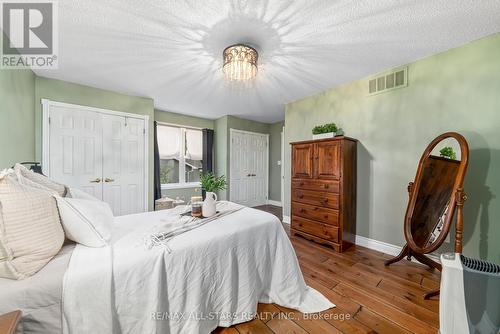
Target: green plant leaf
x=211, y=183
x=325, y=128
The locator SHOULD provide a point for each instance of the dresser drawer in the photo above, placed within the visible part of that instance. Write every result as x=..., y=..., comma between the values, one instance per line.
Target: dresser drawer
x=324, y=215
x=317, y=198
x=320, y=230
x=328, y=186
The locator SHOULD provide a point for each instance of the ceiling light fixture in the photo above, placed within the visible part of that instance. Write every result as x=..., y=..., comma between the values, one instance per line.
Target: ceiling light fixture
x=240, y=62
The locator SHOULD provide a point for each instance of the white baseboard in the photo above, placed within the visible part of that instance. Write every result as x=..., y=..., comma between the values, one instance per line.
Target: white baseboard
x=275, y=203
x=286, y=219
x=385, y=247
x=380, y=246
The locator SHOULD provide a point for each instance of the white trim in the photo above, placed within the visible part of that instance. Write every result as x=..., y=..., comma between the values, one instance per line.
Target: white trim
x=384, y=247
x=275, y=203
x=168, y=186
x=46, y=104
x=286, y=219
x=45, y=136
x=377, y=245
x=179, y=125
x=266, y=135
x=94, y=109
x=282, y=169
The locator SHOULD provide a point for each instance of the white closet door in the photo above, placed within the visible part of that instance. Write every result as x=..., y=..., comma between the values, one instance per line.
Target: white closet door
x=239, y=169
x=249, y=168
x=123, y=164
x=75, y=149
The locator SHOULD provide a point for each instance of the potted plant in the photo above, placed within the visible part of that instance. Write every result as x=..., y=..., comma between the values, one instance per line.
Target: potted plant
x=211, y=183
x=448, y=152
x=328, y=130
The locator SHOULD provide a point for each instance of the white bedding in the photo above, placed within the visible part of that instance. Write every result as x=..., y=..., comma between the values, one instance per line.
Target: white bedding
x=38, y=296
x=214, y=276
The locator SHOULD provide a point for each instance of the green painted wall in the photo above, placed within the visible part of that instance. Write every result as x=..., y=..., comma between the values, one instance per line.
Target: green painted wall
x=457, y=90
x=17, y=117
x=221, y=151
x=275, y=156
x=183, y=120
x=62, y=91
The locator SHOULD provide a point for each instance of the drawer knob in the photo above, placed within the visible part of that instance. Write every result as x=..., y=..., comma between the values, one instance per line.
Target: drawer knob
x=302, y=210
x=301, y=196
x=301, y=184
x=326, y=186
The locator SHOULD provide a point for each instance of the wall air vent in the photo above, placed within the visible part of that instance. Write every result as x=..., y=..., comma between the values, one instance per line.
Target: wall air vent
x=388, y=81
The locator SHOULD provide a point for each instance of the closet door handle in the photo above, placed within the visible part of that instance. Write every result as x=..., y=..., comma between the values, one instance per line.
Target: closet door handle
x=107, y=180
x=97, y=180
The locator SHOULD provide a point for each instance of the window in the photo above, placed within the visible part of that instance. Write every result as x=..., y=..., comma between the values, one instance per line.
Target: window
x=180, y=156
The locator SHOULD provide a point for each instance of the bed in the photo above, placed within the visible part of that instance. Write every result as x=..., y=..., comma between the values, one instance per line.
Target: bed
x=208, y=277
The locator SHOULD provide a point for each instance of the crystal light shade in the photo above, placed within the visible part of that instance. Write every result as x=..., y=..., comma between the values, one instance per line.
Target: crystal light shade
x=240, y=62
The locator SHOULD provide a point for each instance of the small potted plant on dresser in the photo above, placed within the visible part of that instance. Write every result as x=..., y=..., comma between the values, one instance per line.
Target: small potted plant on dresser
x=328, y=130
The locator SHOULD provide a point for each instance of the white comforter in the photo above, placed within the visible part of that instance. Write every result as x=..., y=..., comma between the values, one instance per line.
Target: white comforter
x=214, y=276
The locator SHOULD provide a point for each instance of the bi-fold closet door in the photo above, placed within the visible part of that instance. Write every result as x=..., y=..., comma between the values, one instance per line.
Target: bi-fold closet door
x=249, y=167
x=100, y=153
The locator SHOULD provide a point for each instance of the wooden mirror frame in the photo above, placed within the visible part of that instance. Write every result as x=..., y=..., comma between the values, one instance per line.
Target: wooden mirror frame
x=457, y=198
x=456, y=192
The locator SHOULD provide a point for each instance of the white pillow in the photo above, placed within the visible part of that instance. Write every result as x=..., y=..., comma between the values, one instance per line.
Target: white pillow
x=87, y=222
x=80, y=194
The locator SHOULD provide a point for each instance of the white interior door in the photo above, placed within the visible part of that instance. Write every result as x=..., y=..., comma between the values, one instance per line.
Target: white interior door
x=75, y=149
x=248, y=168
x=123, y=167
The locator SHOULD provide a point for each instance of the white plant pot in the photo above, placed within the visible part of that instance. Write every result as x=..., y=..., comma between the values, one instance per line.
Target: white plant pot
x=325, y=135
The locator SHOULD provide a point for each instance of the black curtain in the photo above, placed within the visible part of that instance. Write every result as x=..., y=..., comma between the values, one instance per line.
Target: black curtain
x=208, y=150
x=156, y=164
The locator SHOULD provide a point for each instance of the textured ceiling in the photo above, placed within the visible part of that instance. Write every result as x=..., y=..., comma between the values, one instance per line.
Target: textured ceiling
x=171, y=50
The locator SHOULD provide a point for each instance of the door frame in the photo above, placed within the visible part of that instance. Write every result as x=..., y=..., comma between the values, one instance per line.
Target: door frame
x=46, y=104
x=266, y=135
x=282, y=169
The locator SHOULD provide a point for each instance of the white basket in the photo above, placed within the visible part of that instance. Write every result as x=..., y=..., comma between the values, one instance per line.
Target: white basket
x=325, y=135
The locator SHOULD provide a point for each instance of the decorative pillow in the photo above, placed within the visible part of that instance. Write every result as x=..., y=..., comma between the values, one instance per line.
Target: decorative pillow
x=30, y=229
x=35, y=180
x=87, y=222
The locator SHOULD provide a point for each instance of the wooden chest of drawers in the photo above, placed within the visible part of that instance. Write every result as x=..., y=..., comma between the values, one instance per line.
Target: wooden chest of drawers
x=324, y=191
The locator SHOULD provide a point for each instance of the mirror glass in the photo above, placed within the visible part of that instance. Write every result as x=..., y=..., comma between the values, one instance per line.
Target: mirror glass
x=439, y=172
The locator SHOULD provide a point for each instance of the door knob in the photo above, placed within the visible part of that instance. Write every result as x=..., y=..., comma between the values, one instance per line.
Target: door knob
x=97, y=180
x=108, y=180
x=248, y=175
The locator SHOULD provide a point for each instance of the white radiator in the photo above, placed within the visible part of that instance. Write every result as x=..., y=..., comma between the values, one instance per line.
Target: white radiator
x=470, y=296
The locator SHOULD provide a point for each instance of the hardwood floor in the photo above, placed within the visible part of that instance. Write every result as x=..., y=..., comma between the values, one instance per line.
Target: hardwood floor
x=370, y=297
x=275, y=210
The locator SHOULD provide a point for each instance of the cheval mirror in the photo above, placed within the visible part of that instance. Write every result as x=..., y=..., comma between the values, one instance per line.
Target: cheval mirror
x=436, y=196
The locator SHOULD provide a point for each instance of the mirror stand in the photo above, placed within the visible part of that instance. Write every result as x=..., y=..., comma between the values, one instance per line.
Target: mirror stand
x=461, y=197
